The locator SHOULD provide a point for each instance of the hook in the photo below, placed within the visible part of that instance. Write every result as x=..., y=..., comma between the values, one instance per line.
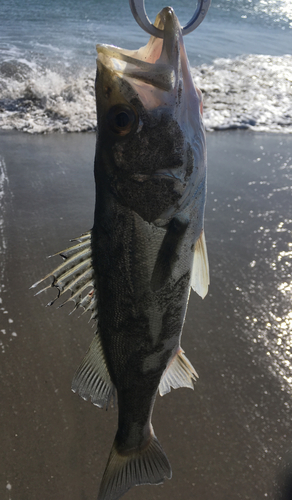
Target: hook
x=139, y=13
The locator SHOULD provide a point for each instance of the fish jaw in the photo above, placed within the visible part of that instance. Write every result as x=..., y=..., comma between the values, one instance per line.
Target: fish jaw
x=156, y=64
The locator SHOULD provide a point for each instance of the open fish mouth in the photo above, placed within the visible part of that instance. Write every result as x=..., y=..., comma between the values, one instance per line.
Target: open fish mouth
x=160, y=75
x=155, y=64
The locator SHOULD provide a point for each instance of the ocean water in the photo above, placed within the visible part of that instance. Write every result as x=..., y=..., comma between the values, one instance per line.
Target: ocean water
x=240, y=57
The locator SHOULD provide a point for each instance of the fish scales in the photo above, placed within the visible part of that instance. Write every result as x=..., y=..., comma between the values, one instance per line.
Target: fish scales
x=146, y=248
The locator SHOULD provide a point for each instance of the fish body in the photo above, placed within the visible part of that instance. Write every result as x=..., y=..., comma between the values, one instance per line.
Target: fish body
x=146, y=248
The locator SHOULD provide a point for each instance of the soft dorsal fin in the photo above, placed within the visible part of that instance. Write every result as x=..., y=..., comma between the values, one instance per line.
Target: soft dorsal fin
x=179, y=373
x=92, y=379
x=200, y=274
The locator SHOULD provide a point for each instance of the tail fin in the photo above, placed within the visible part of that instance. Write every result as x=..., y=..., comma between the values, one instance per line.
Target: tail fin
x=147, y=466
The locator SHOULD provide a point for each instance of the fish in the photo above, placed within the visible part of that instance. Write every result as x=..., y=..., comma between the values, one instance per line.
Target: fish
x=134, y=270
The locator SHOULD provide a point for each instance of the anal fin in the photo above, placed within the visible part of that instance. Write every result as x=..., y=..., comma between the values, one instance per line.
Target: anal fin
x=92, y=379
x=179, y=373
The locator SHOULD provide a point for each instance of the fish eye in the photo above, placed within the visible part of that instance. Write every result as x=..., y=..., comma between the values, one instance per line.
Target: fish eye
x=122, y=119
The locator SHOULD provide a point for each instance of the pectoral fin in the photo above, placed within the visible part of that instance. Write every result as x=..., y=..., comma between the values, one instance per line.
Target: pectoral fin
x=168, y=253
x=179, y=373
x=92, y=379
x=200, y=274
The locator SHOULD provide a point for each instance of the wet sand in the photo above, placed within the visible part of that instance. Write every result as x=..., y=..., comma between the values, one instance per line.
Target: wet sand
x=227, y=439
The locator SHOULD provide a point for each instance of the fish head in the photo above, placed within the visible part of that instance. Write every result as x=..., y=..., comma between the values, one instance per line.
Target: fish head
x=151, y=142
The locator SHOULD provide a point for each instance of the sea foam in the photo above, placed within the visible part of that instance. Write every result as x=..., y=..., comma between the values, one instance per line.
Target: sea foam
x=40, y=101
x=249, y=92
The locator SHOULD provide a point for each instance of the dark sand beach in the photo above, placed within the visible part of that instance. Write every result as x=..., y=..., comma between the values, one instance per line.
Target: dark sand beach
x=227, y=439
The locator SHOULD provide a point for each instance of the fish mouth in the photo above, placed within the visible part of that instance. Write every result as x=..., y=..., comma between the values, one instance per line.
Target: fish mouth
x=156, y=64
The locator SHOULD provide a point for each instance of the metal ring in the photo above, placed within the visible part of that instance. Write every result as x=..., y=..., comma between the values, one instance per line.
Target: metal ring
x=138, y=10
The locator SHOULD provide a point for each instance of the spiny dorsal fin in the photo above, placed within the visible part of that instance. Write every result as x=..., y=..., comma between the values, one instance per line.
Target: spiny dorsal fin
x=75, y=274
x=200, y=274
x=179, y=373
x=92, y=379
x=146, y=466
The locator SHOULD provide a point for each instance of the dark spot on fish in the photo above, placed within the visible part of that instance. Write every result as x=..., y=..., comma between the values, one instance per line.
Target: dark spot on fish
x=179, y=92
x=172, y=318
x=190, y=162
x=107, y=92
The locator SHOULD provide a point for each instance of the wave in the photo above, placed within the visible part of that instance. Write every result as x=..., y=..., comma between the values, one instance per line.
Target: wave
x=249, y=92
x=40, y=100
